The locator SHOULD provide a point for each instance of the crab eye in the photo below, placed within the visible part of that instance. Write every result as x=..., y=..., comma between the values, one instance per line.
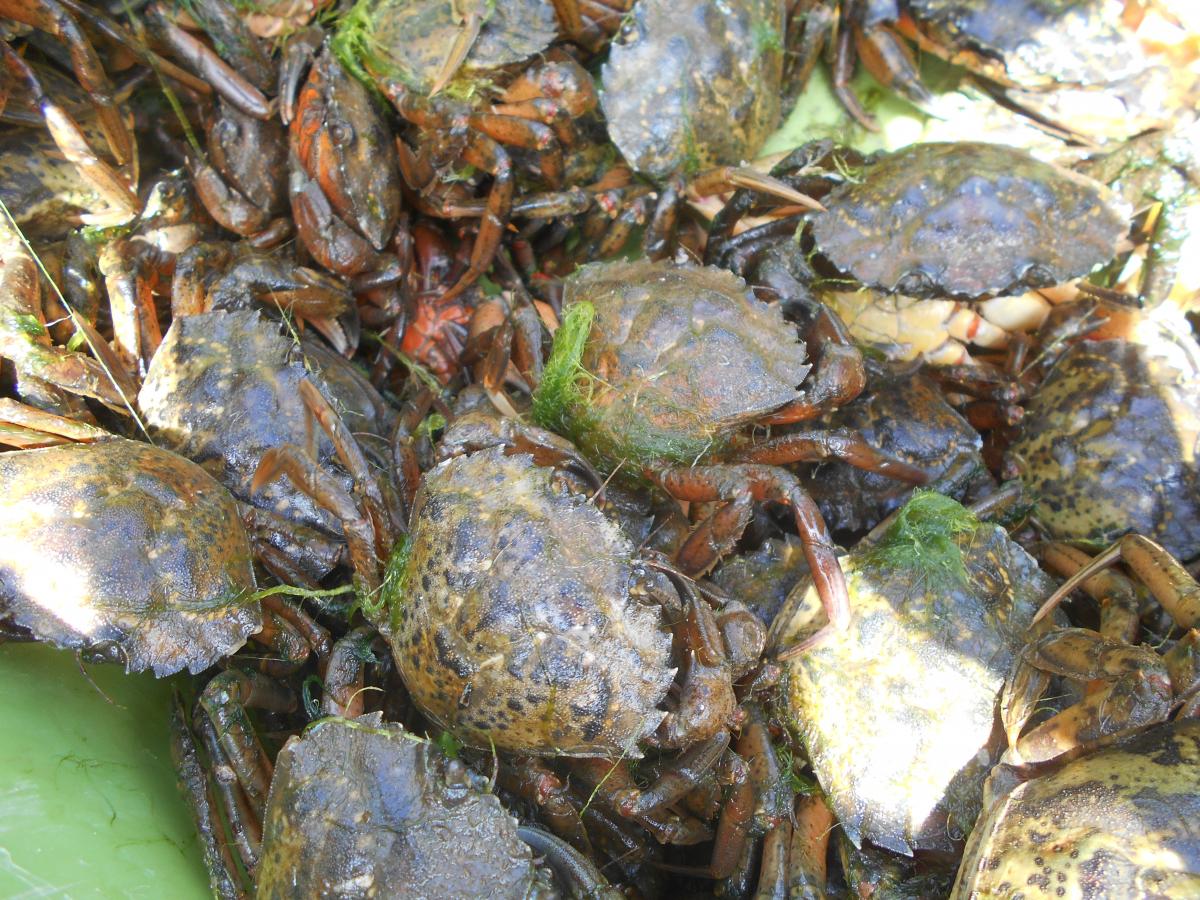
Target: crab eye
x=226, y=131
x=916, y=283
x=341, y=133
x=1037, y=275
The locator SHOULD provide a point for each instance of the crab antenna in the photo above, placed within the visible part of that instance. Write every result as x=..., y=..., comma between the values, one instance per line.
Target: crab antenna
x=1102, y=561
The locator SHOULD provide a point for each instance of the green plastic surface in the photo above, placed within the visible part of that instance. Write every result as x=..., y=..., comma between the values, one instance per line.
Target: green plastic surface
x=88, y=801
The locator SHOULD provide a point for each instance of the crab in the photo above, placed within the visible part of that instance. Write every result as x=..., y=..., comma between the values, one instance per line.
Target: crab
x=358, y=806
x=240, y=180
x=1129, y=685
x=126, y=553
x=904, y=414
x=344, y=180
x=967, y=226
x=967, y=220
x=1116, y=822
x=1025, y=52
x=661, y=370
x=1108, y=440
x=445, y=74
x=940, y=607
x=694, y=87
x=223, y=388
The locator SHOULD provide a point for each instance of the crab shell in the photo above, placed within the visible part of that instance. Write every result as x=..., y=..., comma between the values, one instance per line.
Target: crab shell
x=898, y=712
x=126, y=551
x=224, y=387
x=1108, y=445
x=1119, y=822
x=968, y=220
x=679, y=359
x=696, y=85
x=410, y=41
x=359, y=808
x=514, y=626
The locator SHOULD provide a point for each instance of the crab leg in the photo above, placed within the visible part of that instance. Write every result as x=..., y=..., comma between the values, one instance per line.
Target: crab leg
x=51, y=17
x=743, y=484
x=528, y=777
x=1139, y=691
x=1112, y=590
x=27, y=427
x=807, y=870
x=608, y=780
x=1165, y=576
x=104, y=179
x=574, y=870
x=218, y=858
x=837, y=377
x=842, y=444
x=325, y=489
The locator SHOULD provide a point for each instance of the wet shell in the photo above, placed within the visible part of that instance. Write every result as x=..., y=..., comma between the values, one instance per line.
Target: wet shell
x=126, y=552
x=968, y=220
x=694, y=85
x=1120, y=822
x=515, y=625
x=361, y=809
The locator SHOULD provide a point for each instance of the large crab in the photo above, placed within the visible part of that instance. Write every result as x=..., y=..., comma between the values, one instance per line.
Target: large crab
x=125, y=552
x=661, y=371
x=940, y=607
x=358, y=807
x=918, y=248
x=1116, y=823
x=1107, y=445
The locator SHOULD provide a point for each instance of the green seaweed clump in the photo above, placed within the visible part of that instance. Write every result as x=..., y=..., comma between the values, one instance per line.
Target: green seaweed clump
x=926, y=537
x=564, y=387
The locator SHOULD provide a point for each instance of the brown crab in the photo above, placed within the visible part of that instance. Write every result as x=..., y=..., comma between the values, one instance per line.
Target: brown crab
x=661, y=370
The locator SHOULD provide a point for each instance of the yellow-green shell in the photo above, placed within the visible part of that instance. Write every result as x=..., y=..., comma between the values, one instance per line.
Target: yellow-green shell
x=1121, y=822
x=1109, y=445
x=898, y=712
x=126, y=551
x=514, y=626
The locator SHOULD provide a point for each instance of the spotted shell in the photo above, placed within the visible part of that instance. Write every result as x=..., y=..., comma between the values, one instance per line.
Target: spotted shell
x=694, y=85
x=126, y=552
x=1119, y=822
x=515, y=625
x=968, y=220
x=1109, y=446
x=358, y=808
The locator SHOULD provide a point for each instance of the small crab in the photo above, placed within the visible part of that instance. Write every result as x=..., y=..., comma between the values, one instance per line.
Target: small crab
x=125, y=552
x=344, y=180
x=939, y=612
x=1128, y=685
x=663, y=369
x=901, y=413
x=1118, y=822
x=450, y=76
x=695, y=85
x=223, y=388
x=1107, y=444
x=240, y=179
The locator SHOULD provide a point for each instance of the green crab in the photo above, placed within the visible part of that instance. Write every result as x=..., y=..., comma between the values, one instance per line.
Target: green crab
x=898, y=711
x=663, y=371
x=1119, y=822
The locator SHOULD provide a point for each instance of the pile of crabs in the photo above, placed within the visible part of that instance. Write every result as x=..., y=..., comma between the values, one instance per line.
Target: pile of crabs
x=547, y=501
